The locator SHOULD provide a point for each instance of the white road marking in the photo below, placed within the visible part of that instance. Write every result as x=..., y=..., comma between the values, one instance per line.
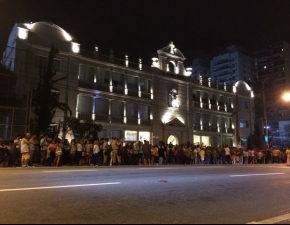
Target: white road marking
x=66, y=171
x=261, y=174
x=273, y=220
x=157, y=168
x=55, y=187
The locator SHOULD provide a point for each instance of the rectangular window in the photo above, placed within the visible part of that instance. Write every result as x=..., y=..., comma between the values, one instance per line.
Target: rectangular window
x=197, y=119
x=103, y=76
x=101, y=106
x=41, y=62
x=132, y=83
x=144, y=85
x=118, y=80
x=132, y=110
x=243, y=105
x=86, y=73
x=84, y=104
x=117, y=108
x=243, y=123
x=144, y=112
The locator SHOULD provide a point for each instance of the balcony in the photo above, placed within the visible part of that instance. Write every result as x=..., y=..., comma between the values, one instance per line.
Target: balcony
x=86, y=84
x=117, y=119
x=145, y=122
x=146, y=95
x=118, y=90
x=85, y=116
x=102, y=87
x=133, y=93
x=101, y=118
x=132, y=120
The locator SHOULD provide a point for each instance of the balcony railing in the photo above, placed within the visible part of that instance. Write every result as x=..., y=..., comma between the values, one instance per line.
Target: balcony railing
x=85, y=116
x=145, y=122
x=101, y=118
x=132, y=120
x=117, y=119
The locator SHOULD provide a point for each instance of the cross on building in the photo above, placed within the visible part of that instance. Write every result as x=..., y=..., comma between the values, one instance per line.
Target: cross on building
x=172, y=47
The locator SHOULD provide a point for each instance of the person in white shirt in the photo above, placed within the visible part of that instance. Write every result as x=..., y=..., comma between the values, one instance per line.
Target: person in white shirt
x=24, y=148
x=96, y=150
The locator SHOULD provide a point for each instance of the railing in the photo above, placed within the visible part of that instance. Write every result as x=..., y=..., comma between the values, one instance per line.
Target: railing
x=145, y=122
x=85, y=116
x=118, y=90
x=116, y=61
x=132, y=120
x=133, y=93
x=102, y=87
x=117, y=119
x=84, y=84
x=101, y=118
x=146, y=95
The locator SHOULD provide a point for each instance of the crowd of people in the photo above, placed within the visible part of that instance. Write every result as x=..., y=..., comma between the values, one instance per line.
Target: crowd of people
x=31, y=150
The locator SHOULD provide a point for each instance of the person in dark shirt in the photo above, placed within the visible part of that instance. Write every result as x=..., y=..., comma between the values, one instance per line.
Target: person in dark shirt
x=4, y=151
x=161, y=152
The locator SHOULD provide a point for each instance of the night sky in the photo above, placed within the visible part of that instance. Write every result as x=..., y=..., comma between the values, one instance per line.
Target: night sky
x=198, y=28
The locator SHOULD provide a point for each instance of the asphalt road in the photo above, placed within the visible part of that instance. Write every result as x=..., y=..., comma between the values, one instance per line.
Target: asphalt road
x=236, y=194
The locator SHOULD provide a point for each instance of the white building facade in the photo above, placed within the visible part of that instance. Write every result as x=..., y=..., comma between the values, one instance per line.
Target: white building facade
x=161, y=102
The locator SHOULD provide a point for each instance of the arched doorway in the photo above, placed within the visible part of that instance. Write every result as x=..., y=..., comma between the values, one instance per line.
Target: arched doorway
x=173, y=139
x=171, y=67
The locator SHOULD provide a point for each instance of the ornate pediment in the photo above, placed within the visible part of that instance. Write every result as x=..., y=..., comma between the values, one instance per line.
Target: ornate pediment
x=175, y=122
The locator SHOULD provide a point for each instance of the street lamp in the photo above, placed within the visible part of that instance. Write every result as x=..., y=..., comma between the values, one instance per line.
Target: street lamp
x=286, y=97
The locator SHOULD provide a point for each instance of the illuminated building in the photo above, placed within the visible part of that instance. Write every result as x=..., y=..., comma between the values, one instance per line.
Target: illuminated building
x=161, y=102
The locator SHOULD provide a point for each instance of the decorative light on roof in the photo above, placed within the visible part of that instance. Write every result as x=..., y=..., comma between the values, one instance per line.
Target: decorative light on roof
x=29, y=25
x=66, y=36
x=188, y=71
x=75, y=47
x=155, y=62
x=22, y=33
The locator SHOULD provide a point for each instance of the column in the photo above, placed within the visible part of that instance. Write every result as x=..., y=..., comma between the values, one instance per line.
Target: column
x=125, y=112
x=125, y=84
x=139, y=87
x=111, y=80
x=110, y=110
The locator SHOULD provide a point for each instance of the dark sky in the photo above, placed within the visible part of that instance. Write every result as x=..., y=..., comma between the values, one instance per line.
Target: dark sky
x=198, y=28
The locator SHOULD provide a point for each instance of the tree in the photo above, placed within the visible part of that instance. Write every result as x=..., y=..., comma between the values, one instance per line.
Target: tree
x=45, y=97
x=83, y=128
x=252, y=141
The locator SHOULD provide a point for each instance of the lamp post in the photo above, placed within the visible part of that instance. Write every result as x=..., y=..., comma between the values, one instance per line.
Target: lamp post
x=266, y=138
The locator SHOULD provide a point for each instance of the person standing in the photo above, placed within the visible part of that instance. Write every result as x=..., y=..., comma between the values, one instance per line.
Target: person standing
x=58, y=153
x=66, y=152
x=115, y=144
x=79, y=153
x=106, y=151
x=146, y=152
x=33, y=149
x=52, y=148
x=96, y=150
x=17, y=143
x=5, y=154
x=73, y=150
x=24, y=148
x=161, y=152
x=43, y=150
